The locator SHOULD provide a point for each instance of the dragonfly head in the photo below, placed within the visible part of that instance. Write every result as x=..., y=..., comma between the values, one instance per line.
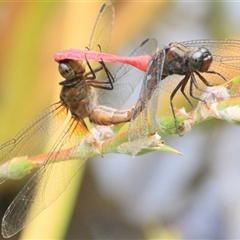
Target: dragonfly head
x=66, y=71
x=72, y=71
x=200, y=60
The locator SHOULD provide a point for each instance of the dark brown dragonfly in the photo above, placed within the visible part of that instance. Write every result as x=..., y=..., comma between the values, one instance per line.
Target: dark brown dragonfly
x=186, y=68
x=83, y=95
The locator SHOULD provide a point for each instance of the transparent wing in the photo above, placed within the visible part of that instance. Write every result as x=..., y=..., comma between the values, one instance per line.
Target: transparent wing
x=144, y=118
x=226, y=61
x=126, y=78
x=65, y=159
x=31, y=140
x=102, y=30
x=99, y=40
x=101, y=34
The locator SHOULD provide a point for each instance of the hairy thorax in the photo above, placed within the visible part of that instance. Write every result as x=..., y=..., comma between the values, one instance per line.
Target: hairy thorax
x=79, y=99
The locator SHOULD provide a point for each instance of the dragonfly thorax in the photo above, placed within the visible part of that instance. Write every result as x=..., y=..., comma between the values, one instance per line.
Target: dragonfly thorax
x=182, y=60
x=80, y=99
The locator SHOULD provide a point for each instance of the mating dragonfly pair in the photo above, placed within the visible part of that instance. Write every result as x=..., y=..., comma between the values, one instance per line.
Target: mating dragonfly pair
x=186, y=67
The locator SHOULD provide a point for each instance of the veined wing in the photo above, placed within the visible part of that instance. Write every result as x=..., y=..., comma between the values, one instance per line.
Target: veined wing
x=126, y=78
x=101, y=34
x=102, y=29
x=47, y=184
x=143, y=121
x=99, y=41
x=31, y=140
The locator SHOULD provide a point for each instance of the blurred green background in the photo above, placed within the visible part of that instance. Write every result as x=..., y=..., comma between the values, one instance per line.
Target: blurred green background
x=155, y=196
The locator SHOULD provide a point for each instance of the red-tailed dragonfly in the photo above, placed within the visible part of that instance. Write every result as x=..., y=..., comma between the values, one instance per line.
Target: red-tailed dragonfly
x=82, y=95
x=185, y=67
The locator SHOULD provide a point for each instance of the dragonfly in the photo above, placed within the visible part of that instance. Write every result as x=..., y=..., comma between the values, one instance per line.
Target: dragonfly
x=65, y=119
x=38, y=193
x=181, y=67
x=104, y=111
x=31, y=140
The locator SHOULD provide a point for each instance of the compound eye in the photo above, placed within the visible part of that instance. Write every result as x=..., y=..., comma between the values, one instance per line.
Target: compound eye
x=66, y=71
x=196, y=60
x=201, y=60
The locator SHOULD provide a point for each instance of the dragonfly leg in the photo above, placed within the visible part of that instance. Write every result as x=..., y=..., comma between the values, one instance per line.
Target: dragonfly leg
x=204, y=80
x=103, y=115
x=175, y=90
x=183, y=85
x=219, y=74
x=98, y=83
x=194, y=82
x=92, y=71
